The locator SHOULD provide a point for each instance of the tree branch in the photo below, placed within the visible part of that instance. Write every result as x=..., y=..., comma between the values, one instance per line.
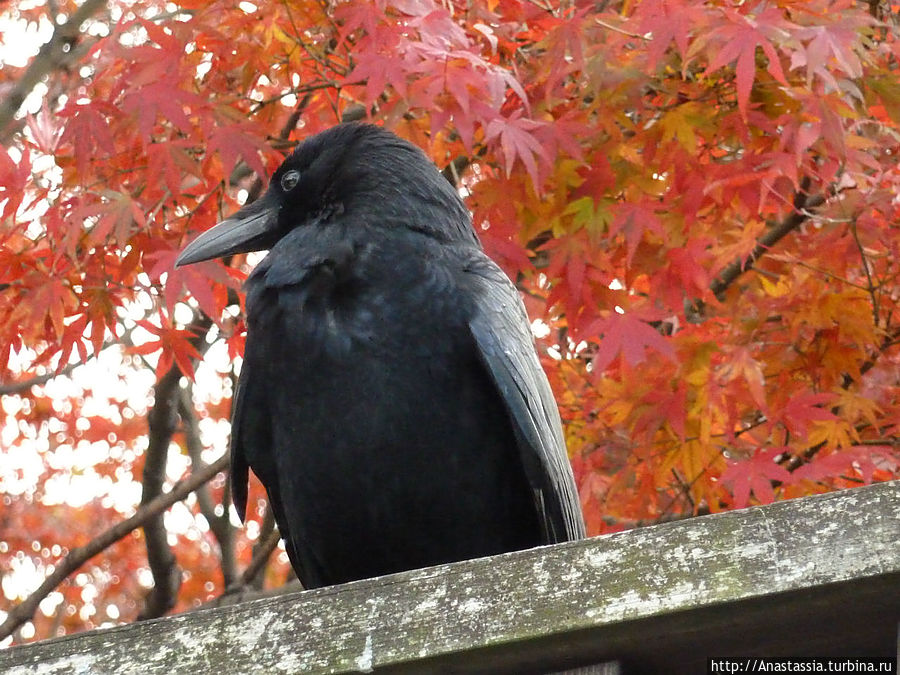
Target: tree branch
x=220, y=526
x=54, y=54
x=242, y=170
x=78, y=556
x=161, y=425
x=802, y=204
x=353, y=113
x=161, y=422
x=453, y=171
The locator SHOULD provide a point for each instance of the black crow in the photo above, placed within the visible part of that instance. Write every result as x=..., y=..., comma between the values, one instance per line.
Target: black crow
x=390, y=400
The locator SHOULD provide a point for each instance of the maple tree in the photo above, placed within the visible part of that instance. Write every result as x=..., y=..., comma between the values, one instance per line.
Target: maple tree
x=698, y=199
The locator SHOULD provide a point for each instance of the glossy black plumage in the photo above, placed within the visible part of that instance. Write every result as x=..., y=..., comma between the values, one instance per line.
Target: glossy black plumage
x=390, y=399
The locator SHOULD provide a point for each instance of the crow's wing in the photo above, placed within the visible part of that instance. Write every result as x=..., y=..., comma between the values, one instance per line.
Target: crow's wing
x=239, y=468
x=251, y=444
x=506, y=346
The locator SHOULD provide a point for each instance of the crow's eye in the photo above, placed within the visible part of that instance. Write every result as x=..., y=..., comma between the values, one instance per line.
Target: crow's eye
x=289, y=180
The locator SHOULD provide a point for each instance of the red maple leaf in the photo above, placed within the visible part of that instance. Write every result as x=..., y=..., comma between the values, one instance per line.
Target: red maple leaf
x=739, y=40
x=633, y=220
x=802, y=409
x=517, y=141
x=628, y=335
x=665, y=21
x=87, y=129
x=175, y=344
x=756, y=475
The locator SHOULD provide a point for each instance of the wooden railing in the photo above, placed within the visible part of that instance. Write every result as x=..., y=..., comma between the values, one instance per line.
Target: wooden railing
x=818, y=576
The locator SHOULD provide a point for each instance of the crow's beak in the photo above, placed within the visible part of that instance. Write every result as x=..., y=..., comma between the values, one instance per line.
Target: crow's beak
x=252, y=228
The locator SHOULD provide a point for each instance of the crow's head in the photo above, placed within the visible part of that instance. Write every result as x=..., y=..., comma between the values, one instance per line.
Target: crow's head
x=355, y=173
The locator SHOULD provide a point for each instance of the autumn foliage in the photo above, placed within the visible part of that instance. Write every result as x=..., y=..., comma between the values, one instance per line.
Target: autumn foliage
x=698, y=200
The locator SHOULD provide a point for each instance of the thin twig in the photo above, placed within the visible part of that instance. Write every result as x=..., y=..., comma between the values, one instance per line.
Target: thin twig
x=872, y=288
x=266, y=530
x=24, y=385
x=260, y=558
x=623, y=32
x=245, y=588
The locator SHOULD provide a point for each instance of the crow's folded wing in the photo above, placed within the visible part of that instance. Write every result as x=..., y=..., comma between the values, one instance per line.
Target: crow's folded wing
x=506, y=346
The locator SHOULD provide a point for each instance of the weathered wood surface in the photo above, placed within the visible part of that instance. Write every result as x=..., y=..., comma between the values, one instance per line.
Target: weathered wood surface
x=816, y=576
